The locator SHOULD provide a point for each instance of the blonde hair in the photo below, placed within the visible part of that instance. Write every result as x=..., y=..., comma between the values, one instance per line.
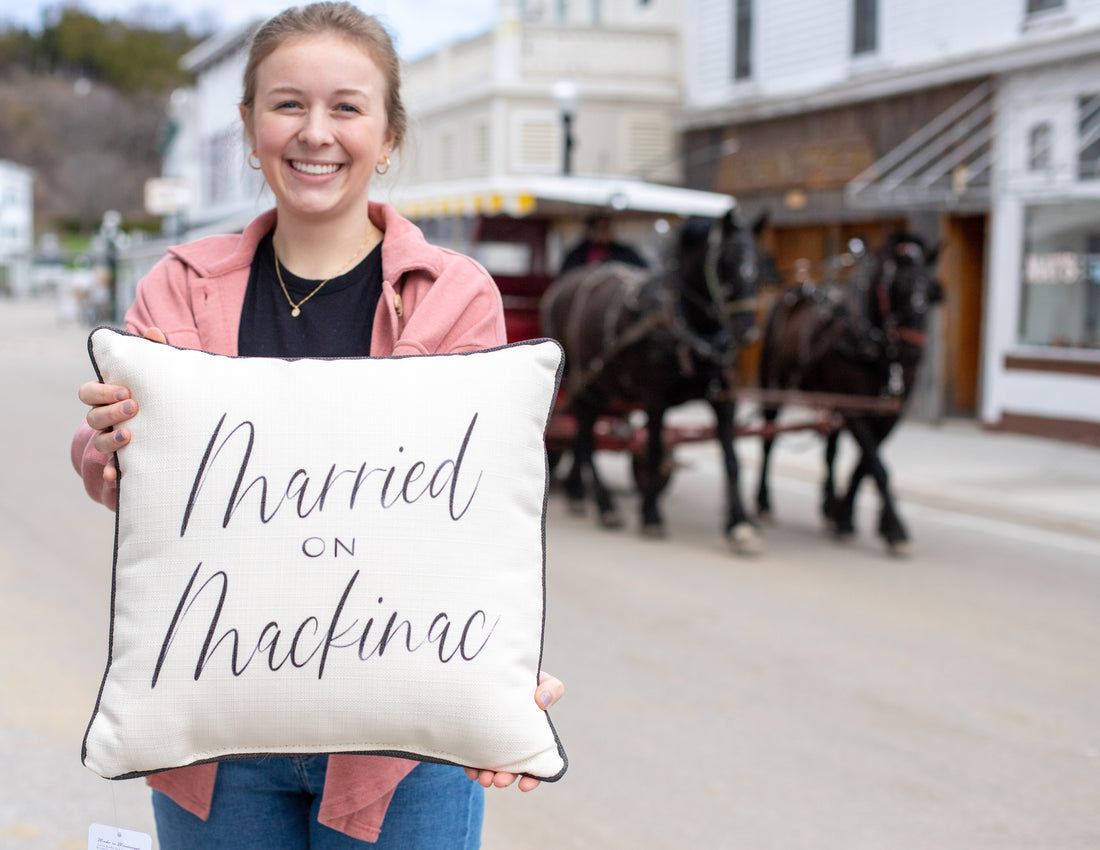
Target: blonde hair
x=331, y=18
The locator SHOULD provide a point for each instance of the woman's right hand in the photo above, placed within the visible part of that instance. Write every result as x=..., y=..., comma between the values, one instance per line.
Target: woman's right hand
x=111, y=407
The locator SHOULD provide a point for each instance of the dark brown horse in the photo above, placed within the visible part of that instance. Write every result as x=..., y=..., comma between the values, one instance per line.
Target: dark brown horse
x=654, y=341
x=864, y=339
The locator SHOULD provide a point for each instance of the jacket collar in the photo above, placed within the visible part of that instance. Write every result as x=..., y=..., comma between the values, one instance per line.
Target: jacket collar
x=403, y=247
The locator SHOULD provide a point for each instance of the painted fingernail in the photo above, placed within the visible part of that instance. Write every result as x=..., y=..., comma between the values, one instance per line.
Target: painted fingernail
x=121, y=394
x=119, y=436
x=545, y=699
x=128, y=408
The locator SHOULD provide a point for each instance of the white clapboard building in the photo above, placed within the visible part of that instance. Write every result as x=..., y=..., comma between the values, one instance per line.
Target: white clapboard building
x=975, y=123
x=16, y=227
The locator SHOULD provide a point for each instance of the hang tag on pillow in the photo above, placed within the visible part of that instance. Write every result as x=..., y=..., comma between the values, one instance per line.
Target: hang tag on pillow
x=102, y=837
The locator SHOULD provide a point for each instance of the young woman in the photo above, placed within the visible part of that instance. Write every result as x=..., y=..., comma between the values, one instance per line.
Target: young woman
x=327, y=273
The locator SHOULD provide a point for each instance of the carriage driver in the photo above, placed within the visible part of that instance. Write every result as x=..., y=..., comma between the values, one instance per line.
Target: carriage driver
x=598, y=246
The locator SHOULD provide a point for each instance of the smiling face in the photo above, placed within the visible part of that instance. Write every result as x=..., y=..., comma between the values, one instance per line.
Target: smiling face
x=319, y=127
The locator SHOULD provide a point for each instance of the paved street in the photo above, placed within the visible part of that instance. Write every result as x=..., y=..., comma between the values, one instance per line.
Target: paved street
x=818, y=697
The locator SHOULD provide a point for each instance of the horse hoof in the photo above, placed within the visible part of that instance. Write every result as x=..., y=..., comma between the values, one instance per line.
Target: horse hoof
x=842, y=529
x=900, y=548
x=611, y=519
x=745, y=540
x=765, y=517
x=654, y=531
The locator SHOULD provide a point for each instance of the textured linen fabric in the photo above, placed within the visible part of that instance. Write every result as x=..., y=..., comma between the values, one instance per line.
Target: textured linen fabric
x=332, y=581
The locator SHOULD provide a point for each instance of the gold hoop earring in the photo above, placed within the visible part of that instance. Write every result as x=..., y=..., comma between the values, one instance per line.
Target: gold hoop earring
x=382, y=167
x=255, y=167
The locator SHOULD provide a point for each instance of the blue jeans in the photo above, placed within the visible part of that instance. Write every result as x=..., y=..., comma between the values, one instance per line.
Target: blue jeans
x=272, y=804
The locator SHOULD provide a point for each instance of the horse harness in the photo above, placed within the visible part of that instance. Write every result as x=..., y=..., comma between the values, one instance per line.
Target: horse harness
x=858, y=337
x=720, y=350
x=612, y=343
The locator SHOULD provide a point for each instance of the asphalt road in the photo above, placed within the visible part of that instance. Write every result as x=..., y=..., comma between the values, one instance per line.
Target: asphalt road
x=819, y=696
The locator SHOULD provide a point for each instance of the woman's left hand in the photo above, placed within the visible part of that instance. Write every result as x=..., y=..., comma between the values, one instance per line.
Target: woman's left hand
x=548, y=692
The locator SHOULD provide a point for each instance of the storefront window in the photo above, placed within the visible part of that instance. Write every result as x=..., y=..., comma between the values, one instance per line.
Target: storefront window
x=1088, y=137
x=1040, y=147
x=1060, y=292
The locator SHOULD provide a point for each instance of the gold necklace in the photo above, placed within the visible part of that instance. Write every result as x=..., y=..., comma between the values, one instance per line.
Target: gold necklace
x=296, y=309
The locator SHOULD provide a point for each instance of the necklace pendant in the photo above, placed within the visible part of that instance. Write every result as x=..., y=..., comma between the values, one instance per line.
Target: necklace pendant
x=295, y=312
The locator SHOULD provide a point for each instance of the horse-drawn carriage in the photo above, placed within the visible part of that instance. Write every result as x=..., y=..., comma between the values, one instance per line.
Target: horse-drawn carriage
x=639, y=340
x=521, y=229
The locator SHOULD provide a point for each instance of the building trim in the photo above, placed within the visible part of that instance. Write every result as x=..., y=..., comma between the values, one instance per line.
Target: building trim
x=1057, y=365
x=1071, y=430
x=902, y=80
x=218, y=47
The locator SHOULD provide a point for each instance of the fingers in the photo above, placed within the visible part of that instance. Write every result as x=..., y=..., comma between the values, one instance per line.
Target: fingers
x=111, y=406
x=107, y=416
x=97, y=394
x=483, y=778
x=549, y=691
x=94, y=393
x=500, y=779
x=111, y=441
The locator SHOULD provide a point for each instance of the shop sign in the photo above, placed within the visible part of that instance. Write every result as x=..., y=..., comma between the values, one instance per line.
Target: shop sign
x=1057, y=268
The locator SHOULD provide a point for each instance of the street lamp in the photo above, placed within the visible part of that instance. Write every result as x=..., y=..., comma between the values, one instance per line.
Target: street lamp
x=565, y=96
x=111, y=230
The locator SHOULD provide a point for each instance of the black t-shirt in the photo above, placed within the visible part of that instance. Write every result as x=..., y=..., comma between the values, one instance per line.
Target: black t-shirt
x=336, y=322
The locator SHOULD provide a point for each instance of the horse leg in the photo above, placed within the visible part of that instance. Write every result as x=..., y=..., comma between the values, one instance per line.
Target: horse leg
x=740, y=531
x=652, y=523
x=584, y=459
x=843, y=521
x=890, y=526
x=831, y=507
x=763, y=494
x=581, y=453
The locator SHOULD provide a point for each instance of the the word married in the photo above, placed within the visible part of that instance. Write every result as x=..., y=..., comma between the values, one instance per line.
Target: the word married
x=345, y=486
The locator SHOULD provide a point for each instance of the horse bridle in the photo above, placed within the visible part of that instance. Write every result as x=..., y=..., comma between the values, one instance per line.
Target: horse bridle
x=724, y=308
x=889, y=322
x=724, y=355
x=893, y=330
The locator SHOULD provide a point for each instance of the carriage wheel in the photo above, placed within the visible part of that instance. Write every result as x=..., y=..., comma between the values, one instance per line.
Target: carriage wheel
x=641, y=474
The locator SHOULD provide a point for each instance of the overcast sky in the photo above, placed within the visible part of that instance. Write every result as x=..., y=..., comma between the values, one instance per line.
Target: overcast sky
x=418, y=25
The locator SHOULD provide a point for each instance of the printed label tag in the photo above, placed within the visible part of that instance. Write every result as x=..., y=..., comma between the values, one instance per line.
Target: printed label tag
x=112, y=838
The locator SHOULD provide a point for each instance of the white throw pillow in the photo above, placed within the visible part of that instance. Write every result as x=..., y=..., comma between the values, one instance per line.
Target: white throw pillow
x=331, y=556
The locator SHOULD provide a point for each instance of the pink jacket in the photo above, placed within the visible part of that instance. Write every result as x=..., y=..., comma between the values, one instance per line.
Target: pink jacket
x=433, y=301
